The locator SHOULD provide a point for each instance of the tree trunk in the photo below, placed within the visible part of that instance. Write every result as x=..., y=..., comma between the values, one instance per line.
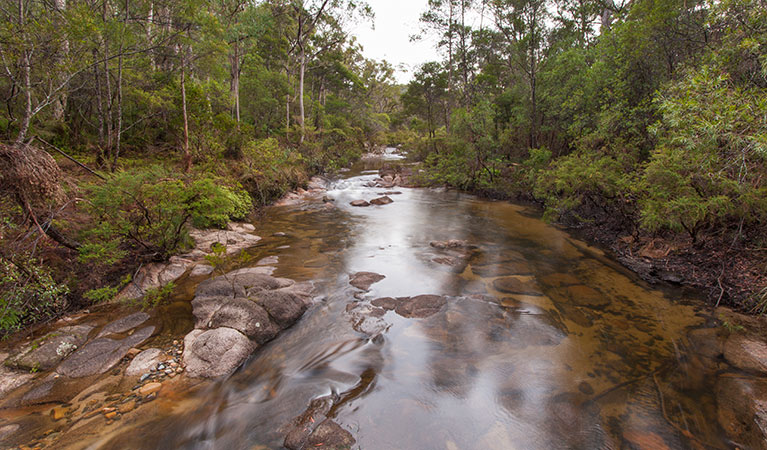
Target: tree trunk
x=235, y=84
x=301, y=93
x=24, y=128
x=149, y=29
x=187, y=155
x=120, y=90
x=59, y=105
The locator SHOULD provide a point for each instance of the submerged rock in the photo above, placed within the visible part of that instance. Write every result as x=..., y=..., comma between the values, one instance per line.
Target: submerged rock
x=214, y=353
x=513, y=285
x=363, y=280
x=420, y=306
x=450, y=244
x=144, y=362
x=124, y=324
x=381, y=201
x=102, y=354
x=742, y=410
x=330, y=435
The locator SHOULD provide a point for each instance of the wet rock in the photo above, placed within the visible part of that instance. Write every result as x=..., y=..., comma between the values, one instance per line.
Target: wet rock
x=101, y=354
x=48, y=351
x=746, y=353
x=455, y=264
x=300, y=427
x=420, y=306
x=285, y=308
x=359, y=203
x=152, y=276
x=742, y=410
x=9, y=380
x=150, y=388
x=144, y=362
x=201, y=270
x=214, y=353
x=381, y=201
x=241, y=227
x=387, y=303
x=363, y=280
x=234, y=241
x=450, y=244
x=707, y=342
x=502, y=269
x=585, y=388
x=585, y=296
x=124, y=324
x=240, y=283
x=7, y=430
x=513, y=285
x=560, y=280
x=245, y=316
x=330, y=435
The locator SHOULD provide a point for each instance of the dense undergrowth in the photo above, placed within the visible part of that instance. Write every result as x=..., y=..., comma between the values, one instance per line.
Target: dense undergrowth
x=649, y=133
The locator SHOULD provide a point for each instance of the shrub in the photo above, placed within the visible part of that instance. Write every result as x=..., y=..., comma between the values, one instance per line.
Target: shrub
x=149, y=212
x=27, y=293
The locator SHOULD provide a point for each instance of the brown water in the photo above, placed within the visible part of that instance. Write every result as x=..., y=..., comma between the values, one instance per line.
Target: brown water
x=590, y=358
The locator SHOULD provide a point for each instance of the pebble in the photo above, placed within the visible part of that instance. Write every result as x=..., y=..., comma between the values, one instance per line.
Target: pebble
x=150, y=397
x=111, y=415
x=143, y=377
x=149, y=388
x=59, y=412
x=127, y=407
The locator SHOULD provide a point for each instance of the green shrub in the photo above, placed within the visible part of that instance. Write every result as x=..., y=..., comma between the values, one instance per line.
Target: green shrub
x=582, y=178
x=149, y=212
x=28, y=293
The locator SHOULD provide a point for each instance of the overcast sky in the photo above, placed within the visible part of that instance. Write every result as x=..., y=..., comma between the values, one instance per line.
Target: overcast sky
x=395, y=22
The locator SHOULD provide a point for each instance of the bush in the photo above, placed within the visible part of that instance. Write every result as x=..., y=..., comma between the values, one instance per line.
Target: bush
x=149, y=212
x=28, y=293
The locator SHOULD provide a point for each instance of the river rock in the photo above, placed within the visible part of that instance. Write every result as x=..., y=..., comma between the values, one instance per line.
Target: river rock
x=298, y=430
x=503, y=269
x=101, y=354
x=240, y=283
x=48, y=351
x=7, y=430
x=9, y=380
x=330, y=435
x=359, y=203
x=746, y=353
x=150, y=388
x=707, y=342
x=557, y=280
x=215, y=353
x=513, y=285
x=285, y=308
x=144, y=362
x=455, y=264
x=585, y=296
x=124, y=324
x=742, y=410
x=387, y=303
x=381, y=201
x=245, y=316
x=363, y=280
x=234, y=241
x=201, y=270
x=450, y=244
x=152, y=276
x=420, y=306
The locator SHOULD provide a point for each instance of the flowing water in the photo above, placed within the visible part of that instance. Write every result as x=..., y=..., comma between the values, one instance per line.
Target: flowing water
x=584, y=356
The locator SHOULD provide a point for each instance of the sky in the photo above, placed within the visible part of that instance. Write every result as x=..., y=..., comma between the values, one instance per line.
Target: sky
x=395, y=22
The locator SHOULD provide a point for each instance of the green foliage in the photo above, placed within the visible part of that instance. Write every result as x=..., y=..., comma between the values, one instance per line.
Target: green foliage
x=709, y=165
x=582, y=178
x=106, y=293
x=28, y=293
x=149, y=212
x=155, y=296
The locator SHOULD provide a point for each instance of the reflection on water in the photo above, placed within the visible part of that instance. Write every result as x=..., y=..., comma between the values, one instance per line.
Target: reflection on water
x=543, y=343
